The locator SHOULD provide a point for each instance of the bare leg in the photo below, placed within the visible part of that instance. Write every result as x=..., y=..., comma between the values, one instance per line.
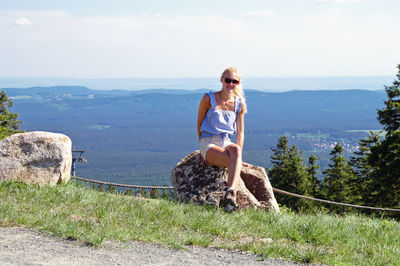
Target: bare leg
x=231, y=157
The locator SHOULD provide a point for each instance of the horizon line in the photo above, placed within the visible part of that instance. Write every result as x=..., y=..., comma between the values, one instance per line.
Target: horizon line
x=216, y=77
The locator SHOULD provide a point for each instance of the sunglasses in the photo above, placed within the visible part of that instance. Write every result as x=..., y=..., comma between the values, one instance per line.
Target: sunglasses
x=233, y=81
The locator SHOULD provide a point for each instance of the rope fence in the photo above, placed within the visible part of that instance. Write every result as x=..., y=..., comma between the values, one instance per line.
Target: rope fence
x=120, y=185
x=274, y=189
x=334, y=202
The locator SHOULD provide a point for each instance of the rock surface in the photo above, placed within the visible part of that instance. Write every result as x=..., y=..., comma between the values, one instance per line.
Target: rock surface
x=206, y=184
x=37, y=157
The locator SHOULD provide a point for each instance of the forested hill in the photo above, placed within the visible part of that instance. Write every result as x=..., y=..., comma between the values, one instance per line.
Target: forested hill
x=137, y=136
x=350, y=109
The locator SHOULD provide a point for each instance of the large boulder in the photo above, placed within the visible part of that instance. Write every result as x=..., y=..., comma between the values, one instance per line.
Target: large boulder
x=206, y=184
x=37, y=157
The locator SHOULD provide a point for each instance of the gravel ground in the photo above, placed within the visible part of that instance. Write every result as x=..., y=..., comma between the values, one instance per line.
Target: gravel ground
x=19, y=246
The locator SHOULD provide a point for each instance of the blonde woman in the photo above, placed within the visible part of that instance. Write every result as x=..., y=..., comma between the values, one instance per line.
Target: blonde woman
x=220, y=116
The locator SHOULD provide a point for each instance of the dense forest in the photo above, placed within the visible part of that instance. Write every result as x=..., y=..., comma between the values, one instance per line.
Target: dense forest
x=137, y=137
x=371, y=176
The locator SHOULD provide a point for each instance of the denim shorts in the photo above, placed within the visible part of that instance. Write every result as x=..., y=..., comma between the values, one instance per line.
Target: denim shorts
x=208, y=142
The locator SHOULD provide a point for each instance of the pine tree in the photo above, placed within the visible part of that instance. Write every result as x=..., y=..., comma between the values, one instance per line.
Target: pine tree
x=314, y=187
x=289, y=173
x=8, y=121
x=389, y=117
x=362, y=169
x=340, y=182
x=385, y=155
x=279, y=161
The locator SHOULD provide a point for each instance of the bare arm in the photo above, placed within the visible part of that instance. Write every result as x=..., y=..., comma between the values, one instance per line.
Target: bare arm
x=240, y=126
x=203, y=108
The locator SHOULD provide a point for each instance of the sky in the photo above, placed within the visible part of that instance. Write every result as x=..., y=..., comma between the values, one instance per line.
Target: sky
x=188, y=38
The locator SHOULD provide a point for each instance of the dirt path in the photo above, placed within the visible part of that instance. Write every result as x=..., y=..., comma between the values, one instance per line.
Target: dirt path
x=20, y=246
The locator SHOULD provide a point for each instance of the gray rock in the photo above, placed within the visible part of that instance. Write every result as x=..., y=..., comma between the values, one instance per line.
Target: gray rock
x=206, y=184
x=37, y=157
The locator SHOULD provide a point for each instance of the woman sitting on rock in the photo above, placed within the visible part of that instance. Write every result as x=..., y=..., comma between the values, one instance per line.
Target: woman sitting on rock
x=220, y=116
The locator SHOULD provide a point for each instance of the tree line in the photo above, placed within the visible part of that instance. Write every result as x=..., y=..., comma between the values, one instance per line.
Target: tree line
x=370, y=177
x=8, y=120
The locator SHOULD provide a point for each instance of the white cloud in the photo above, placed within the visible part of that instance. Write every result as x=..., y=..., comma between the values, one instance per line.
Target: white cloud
x=143, y=45
x=153, y=45
x=323, y=19
x=259, y=13
x=337, y=1
x=22, y=22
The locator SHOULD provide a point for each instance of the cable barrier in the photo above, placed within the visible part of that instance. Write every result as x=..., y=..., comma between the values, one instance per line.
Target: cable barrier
x=274, y=189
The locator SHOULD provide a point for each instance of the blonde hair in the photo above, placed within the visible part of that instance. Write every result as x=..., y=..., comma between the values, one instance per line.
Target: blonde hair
x=238, y=91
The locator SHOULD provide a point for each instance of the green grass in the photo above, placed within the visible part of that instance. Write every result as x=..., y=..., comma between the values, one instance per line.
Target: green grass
x=77, y=212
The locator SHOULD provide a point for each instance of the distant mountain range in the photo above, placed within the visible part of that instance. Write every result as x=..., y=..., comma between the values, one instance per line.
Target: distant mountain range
x=138, y=136
x=261, y=84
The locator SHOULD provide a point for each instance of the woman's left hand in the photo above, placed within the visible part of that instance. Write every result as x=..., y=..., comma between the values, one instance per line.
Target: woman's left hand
x=247, y=164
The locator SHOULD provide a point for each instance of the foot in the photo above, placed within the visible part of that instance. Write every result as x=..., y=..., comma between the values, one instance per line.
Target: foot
x=229, y=201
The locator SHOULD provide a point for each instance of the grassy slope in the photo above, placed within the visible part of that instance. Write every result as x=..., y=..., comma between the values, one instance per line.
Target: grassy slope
x=80, y=213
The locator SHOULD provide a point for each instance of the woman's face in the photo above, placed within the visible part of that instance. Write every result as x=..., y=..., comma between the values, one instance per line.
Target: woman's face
x=230, y=81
